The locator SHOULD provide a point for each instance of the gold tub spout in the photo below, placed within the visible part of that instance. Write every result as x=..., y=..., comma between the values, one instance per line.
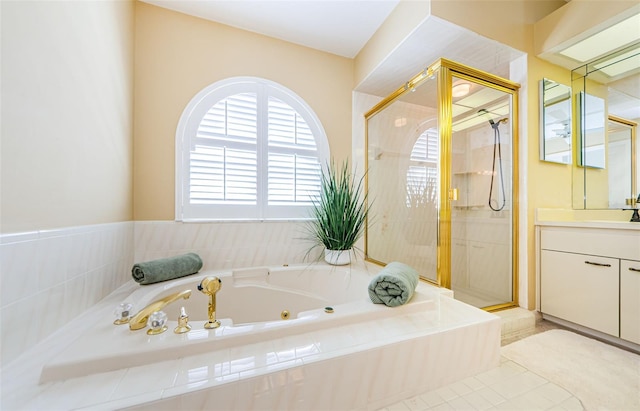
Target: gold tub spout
x=139, y=321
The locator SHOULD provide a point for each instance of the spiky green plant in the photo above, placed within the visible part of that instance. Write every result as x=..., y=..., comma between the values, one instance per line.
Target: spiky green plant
x=340, y=210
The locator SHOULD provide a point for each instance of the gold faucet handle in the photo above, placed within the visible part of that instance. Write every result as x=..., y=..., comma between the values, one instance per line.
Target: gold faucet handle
x=183, y=321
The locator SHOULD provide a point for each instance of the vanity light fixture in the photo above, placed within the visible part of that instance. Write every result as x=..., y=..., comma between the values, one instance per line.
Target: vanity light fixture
x=460, y=89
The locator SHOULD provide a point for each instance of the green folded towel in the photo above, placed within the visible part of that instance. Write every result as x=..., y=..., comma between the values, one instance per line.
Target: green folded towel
x=394, y=285
x=164, y=269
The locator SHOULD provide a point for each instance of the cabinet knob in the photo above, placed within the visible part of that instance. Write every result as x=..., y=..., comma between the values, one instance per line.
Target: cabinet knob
x=637, y=270
x=598, y=264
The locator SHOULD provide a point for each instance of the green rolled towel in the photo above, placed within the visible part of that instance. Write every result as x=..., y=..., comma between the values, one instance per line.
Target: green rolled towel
x=164, y=269
x=394, y=285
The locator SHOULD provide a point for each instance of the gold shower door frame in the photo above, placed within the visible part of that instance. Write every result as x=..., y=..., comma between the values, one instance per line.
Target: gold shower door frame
x=445, y=70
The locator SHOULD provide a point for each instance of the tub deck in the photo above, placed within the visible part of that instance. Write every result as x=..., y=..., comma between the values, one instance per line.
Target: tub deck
x=363, y=365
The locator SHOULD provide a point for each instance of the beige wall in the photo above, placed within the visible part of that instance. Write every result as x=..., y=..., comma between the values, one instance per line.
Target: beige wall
x=404, y=18
x=178, y=55
x=66, y=114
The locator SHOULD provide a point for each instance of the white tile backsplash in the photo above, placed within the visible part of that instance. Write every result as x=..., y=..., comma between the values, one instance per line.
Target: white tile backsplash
x=48, y=277
x=224, y=245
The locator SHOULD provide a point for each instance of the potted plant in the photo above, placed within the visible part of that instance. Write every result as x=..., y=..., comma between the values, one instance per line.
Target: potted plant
x=339, y=213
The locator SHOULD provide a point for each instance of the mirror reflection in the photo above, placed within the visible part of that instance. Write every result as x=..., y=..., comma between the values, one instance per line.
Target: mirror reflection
x=619, y=153
x=555, y=117
x=608, y=91
x=592, y=127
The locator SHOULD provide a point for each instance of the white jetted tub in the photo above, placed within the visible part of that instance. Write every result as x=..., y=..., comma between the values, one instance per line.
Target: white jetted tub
x=360, y=356
x=256, y=295
x=249, y=306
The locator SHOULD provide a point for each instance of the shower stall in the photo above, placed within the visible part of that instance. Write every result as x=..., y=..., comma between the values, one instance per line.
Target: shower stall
x=442, y=181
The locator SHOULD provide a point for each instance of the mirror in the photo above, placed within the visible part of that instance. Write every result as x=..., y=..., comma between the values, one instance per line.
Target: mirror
x=620, y=147
x=555, y=122
x=591, y=131
x=607, y=108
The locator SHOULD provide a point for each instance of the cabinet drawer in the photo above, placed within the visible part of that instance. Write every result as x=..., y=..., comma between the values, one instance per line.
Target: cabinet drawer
x=630, y=301
x=581, y=289
x=623, y=244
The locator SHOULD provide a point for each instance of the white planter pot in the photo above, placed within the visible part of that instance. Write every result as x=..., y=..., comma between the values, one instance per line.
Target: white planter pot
x=337, y=257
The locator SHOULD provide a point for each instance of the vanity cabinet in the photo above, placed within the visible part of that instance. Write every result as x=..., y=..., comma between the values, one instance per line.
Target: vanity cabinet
x=590, y=276
x=630, y=300
x=581, y=288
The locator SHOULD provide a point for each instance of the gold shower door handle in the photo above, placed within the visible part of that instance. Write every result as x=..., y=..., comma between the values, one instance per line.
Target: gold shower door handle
x=453, y=194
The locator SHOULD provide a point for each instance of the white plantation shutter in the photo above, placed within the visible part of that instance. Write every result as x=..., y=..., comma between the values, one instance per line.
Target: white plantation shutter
x=293, y=168
x=223, y=164
x=248, y=149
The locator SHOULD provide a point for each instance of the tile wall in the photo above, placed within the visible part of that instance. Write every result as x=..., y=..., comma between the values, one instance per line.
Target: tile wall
x=49, y=277
x=224, y=245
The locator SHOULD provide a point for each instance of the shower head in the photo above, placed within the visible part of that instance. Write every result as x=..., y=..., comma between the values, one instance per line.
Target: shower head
x=484, y=112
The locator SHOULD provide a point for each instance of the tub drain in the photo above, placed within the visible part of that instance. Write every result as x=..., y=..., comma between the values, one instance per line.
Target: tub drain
x=285, y=314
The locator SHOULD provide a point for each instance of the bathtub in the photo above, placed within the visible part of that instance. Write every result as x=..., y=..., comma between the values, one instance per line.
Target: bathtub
x=257, y=295
x=359, y=356
x=249, y=306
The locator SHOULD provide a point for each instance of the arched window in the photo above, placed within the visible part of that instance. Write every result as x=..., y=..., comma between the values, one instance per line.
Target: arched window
x=248, y=148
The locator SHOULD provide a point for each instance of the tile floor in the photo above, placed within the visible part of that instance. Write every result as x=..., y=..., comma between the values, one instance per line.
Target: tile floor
x=508, y=387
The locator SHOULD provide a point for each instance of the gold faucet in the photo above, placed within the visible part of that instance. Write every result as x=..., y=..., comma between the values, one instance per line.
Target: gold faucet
x=139, y=321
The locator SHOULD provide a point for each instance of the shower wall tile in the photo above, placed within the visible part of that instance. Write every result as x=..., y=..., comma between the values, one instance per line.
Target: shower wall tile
x=224, y=245
x=49, y=277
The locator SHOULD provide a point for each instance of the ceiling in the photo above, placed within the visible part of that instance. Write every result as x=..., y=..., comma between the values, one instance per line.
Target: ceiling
x=343, y=27
x=339, y=27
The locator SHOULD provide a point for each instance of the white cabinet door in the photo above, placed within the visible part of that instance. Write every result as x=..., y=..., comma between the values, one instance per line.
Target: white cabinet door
x=582, y=289
x=630, y=301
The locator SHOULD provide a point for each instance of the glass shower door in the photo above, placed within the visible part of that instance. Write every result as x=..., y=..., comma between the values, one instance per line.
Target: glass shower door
x=442, y=182
x=481, y=193
x=402, y=179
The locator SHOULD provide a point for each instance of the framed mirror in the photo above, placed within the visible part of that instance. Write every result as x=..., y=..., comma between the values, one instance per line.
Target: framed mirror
x=555, y=122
